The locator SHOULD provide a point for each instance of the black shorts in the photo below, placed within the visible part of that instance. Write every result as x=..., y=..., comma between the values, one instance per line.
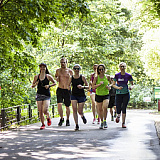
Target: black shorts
x=63, y=96
x=112, y=101
x=101, y=98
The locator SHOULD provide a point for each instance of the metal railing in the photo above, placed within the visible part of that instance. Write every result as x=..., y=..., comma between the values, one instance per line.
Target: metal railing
x=17, y=115
x=25, y=114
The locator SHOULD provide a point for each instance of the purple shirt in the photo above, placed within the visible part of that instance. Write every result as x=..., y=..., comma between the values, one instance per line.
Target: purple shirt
x=122, y=80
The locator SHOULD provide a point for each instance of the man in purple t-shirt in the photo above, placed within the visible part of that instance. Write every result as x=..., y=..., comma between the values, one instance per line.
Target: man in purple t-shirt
x=122, y=92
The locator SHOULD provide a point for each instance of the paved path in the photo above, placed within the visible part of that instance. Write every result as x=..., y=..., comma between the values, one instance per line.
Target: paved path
x=138, y=142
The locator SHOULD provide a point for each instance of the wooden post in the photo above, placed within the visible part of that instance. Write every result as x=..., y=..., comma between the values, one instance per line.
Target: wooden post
x=158, y=104
x=18, y=114
x=3, y=114
x=53, y=110
x=29, y=112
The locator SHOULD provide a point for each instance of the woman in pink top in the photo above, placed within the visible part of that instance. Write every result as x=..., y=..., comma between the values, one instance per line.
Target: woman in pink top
x=92, y=94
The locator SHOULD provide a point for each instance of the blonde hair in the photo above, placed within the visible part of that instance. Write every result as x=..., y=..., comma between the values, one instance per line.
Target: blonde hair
x=122, y=63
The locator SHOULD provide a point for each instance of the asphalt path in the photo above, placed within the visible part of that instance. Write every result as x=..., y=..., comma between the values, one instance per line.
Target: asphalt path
x=139, y=141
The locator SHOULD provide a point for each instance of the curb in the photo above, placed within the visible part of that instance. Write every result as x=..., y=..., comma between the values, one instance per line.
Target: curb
x=157, y=125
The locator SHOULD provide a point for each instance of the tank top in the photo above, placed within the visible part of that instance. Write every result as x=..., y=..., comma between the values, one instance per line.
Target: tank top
x=75, y=90
x=40, y=87
x=92, y=78
x=102, y=90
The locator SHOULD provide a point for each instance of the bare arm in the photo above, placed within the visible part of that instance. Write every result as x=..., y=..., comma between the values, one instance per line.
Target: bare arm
x=50, y=78
x=116, y=87
x=85, y=84
x=132, y=85
x=94, y=86
x=109, y=79
x=35, y=82
x=57, y=75
x=69, y=83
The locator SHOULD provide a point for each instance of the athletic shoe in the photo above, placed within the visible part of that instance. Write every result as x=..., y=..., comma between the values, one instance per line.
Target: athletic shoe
x=123, y=125
x=67, y=123
x=42, y=127
x=77, y=127
x=101, y=126
x=84, y=120
x=48, y=121
x=61, y=122
x=117, y=119
x=94, y=120
x=112, y=119
x=105, y=124
x=98, y=120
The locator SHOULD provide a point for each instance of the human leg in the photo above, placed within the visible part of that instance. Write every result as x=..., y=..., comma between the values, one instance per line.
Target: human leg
x=74, y=107
x=93, y=107
x=46, y=104
x=119, y=101
x=126, y=98
x=99, y=105
x=41, y=116
x=80, y=111
x=67, y=102
x=105, y=111
x=111, y=112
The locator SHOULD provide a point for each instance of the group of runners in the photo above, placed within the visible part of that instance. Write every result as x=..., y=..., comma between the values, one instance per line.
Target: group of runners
x=105, y=92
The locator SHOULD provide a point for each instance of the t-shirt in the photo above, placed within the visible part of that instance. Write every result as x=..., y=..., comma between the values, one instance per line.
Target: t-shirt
x=102, y=90
x=122, y=80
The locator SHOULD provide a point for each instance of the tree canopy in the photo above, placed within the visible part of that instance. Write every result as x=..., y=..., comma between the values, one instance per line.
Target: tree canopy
x=85, y=32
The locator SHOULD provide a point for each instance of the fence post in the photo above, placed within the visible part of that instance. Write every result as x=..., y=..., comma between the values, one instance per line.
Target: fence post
x=18, y=114
x=3, y=113
x=29, y=112
x=53, y=110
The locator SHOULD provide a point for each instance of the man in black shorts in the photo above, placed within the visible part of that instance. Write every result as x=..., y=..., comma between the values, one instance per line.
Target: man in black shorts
x=112, y=103
x=63, y=94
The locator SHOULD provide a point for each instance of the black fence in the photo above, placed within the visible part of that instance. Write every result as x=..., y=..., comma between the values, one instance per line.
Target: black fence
x=22, y=114
x=25, y=114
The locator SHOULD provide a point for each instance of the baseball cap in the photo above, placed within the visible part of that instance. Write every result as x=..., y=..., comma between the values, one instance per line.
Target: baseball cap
x=43, y=64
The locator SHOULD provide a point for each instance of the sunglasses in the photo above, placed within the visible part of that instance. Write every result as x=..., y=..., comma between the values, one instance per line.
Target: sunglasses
x=76, y=69
x=123, y=66
x=101, y=69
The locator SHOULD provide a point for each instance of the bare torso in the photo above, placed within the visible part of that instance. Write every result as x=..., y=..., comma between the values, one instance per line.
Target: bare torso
x=63, y=75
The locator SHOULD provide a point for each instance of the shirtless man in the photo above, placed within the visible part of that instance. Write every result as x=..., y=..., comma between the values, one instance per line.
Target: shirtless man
x=63, y=94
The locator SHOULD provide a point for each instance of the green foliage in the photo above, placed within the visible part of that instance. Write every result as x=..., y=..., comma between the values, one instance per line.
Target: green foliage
x=35, y=31
x=137, y=96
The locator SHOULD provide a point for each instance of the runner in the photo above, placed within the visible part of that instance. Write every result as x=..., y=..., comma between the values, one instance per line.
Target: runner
x=100, y=83
x=122, y=92
x=92, y=95
x=63, y=93
x=78, y=96
x=112, y=103
x=43, y=93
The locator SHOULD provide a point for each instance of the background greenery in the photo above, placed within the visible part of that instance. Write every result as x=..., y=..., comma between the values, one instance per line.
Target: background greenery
x=85, y=32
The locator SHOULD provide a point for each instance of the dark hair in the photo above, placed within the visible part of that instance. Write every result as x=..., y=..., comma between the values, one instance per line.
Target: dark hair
x=47, y=72
x=43, y=64
x=100, y=65
x=63, y=58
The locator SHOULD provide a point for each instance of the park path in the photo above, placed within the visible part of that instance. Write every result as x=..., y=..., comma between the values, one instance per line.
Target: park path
x=138, y=141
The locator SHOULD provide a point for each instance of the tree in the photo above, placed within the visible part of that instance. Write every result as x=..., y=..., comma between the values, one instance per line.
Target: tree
x=21, y=24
